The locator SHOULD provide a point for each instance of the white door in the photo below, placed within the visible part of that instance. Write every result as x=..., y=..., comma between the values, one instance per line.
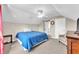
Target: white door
x=60, y=26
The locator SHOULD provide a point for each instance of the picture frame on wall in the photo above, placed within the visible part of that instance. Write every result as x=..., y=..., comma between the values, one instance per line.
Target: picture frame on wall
x=52, y=22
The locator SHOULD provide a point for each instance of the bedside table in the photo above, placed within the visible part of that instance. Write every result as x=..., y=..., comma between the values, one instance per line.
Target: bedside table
x=10, y=35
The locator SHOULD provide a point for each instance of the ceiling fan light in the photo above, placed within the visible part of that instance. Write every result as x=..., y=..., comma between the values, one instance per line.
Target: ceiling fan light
x=41, y=15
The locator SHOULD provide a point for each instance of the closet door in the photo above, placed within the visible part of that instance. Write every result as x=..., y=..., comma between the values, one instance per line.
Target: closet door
x=1, y=37
x=60, y=26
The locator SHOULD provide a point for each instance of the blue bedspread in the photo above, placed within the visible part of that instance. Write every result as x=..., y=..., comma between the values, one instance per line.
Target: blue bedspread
x=29, y=39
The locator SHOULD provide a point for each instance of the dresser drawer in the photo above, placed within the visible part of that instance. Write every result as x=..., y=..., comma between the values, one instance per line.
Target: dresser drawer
x=75, y=51
x=75, y=44
x=75, y=41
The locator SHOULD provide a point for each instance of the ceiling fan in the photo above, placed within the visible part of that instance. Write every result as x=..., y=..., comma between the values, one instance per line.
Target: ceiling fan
x=41, y=14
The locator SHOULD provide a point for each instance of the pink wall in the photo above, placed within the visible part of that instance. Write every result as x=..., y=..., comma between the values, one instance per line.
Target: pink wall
x=1, y=37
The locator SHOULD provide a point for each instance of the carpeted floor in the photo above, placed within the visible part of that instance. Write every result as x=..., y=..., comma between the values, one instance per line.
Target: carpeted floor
x=52, y=46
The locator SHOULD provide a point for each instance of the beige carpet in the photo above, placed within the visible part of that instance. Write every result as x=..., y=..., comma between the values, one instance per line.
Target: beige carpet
x=52, y=46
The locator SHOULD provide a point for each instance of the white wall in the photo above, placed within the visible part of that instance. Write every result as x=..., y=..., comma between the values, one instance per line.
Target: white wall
x=47, y=27
x=56, y=29
x=71, y=25
x=13, y=28
x=61, y=26
x=52, y=30
x=41, y=27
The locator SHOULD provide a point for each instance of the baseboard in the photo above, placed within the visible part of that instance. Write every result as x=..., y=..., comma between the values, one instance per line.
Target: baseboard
x=53, y=38
x=62, y=43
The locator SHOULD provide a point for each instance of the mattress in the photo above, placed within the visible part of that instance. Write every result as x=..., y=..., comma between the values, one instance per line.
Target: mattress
x=30, y=39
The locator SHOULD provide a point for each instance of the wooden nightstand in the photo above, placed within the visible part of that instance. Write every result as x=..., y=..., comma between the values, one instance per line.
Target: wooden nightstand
x=10, y=35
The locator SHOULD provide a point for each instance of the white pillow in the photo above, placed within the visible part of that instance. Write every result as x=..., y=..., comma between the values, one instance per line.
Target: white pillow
x=26, y=29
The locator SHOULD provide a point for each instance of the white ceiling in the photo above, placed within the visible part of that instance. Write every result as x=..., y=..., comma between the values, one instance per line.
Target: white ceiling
x=27, y=13
x=68, y=10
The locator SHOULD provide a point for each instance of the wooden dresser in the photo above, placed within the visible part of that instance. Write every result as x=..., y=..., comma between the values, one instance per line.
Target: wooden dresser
x=72, y=43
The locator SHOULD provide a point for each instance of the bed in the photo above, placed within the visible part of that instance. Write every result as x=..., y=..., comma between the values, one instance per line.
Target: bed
x=30, y=39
